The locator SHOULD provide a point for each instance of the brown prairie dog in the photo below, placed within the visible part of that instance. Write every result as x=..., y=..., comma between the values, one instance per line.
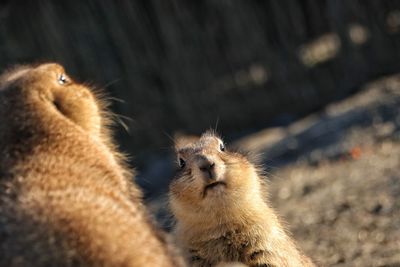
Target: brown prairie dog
x=218, y=200
x=66, y=198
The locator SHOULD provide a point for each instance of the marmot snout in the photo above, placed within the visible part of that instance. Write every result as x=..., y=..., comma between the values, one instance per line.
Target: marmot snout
x=48, y=85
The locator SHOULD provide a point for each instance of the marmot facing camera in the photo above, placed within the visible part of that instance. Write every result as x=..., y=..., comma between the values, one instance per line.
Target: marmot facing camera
x=218, y=198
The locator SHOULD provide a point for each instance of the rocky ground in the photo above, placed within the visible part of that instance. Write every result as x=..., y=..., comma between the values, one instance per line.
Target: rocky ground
x=347, y=212
x=335, y=178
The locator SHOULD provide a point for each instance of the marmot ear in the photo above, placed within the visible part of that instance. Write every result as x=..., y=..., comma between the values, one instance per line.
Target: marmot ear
x=182, y=140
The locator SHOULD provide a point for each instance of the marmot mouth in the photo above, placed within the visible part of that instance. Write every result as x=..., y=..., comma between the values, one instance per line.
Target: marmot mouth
x=213, y=185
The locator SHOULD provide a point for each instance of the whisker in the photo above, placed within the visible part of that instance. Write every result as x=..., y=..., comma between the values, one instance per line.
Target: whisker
x=112, y=82
x=119, y=119
x=124, y=117
x=116, y=99
x=123, y=124
x=216, y=124
x=169, y=136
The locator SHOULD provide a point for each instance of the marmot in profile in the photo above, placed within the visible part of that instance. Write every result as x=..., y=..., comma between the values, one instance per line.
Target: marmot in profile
x=65, y=194
x=218, y=199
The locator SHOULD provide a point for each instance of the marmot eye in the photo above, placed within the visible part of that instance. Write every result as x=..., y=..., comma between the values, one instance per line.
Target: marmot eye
x=182, y=163
x=62, y=79
x=222, y=146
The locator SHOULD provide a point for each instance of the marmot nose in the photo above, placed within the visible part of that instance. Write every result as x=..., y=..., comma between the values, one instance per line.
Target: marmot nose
x=206, y=166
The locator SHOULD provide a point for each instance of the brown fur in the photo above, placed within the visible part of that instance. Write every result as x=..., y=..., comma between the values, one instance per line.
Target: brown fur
x=231, y=221
x=65, y=194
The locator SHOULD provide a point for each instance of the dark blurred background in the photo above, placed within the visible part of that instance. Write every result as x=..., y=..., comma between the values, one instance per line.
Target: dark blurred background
x=185, y=66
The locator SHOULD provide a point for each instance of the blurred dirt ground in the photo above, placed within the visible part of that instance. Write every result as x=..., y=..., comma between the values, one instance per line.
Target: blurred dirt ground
x=335, y=178
x=347, y=212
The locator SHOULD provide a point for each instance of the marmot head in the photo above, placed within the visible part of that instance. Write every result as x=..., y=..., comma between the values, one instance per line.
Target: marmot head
x=47, y=86
x=210, y=177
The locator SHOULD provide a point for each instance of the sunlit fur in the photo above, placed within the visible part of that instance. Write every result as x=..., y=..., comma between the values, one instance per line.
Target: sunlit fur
x=66, y=196
x=227, y=223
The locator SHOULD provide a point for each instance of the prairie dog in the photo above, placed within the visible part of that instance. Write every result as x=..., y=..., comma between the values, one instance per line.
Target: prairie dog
x=219, y=201
x=66, y=198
